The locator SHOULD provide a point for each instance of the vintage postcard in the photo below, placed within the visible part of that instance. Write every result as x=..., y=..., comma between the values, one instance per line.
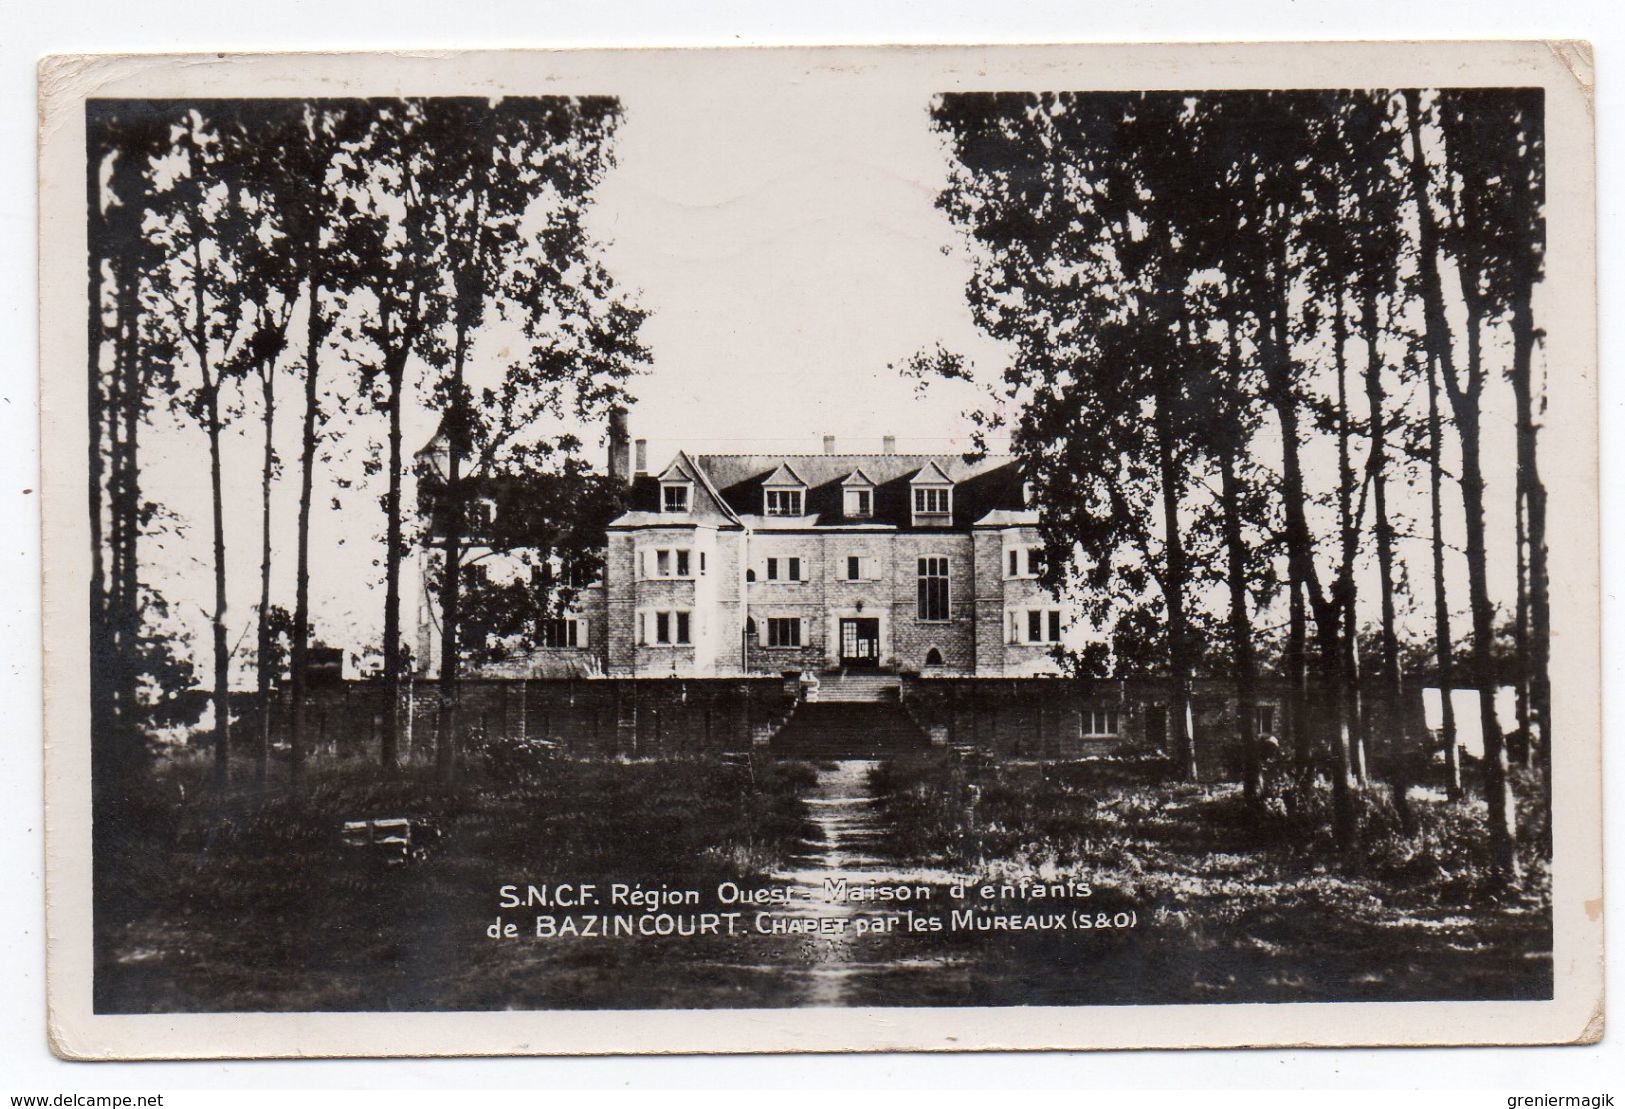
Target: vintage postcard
x=835, y=549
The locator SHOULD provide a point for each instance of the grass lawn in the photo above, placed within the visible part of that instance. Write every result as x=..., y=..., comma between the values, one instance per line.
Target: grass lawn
x=246, y=901
x=1232, y=906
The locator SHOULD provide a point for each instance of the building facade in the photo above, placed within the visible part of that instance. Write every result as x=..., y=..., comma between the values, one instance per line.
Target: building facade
x=729, y=565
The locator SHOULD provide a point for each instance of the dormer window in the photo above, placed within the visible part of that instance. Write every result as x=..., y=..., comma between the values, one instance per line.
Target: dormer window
x=1027, y=494
x=784, y=502
x=674, y=497
x=784, y=493
x=933, y=497
x=858, y=497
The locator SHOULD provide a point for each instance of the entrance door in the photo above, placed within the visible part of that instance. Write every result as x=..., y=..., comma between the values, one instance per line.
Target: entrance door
x=860, y=642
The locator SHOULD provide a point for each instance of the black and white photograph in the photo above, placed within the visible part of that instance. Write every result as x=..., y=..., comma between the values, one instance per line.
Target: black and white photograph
x=891, y=542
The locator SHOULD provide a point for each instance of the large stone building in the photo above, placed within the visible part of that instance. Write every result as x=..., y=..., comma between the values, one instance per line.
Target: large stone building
x=764, y=564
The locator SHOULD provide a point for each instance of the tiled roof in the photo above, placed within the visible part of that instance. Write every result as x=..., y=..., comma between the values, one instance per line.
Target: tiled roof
x=981, y=486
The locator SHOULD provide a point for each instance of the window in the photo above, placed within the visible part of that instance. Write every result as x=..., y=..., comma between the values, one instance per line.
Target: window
x=1025, y=562
x=790, y=566
x=671, y=563
x=702, y=562
x=860, y=568
x=784, y=502
x=674, y=498
x=670, y=628
x=1035, y=625
x=560, y=632
x=783, y=631
x=1027, y=494
x=931, y=502
x=933, y=657
x=1100, y=722
x=772, y=569
x=860, y=503
x=480, y=514
x=933, y=589
x=1266, y=719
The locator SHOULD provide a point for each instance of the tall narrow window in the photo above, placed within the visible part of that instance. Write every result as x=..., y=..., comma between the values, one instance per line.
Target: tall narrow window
x=794, y=573
x=663, y=564
x=772, y=569
x=1035, y=626
x=1035, y=560
x=682, y=564
x=933, y=589
x=682, y=627
x=1054, y=625
x=662, y=627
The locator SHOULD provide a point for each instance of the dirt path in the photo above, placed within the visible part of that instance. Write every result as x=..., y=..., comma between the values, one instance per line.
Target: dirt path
x=839, y=967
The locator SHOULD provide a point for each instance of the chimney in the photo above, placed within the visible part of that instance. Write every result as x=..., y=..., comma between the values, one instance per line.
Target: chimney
x=641, y=453
x=829, y=444
x=888, y=445
x=619, y=462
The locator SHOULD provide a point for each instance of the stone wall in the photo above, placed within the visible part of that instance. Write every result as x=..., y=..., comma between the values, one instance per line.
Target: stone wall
x=607, y=717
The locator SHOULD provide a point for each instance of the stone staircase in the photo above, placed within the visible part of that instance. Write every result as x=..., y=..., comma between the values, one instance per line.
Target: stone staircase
x=859, y=687
x=849, y=729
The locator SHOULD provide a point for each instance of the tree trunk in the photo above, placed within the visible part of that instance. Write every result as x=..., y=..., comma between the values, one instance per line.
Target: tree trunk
x=1391, y=718
x=1245, y=671
x=1443, y=641
x=211, y=424
x=299, y=653
x=222, y=657
x=453, y=517
x=395, y=371
x=1173, y=590
x=1345, y=594
x=1518, y=743
x=1534, y=499
x=1497, y=788
x=262, y=749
